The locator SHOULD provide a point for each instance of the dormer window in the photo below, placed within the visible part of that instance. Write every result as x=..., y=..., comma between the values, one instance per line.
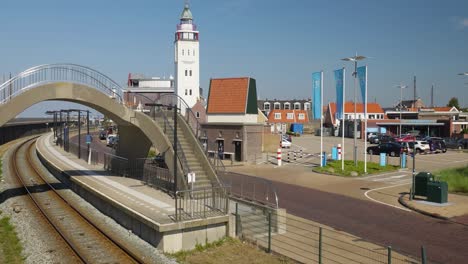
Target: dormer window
x=277, y=105
x=306, y=106
x=266, y=106
x=297, y=106
x=287, y=106
x=277, y=115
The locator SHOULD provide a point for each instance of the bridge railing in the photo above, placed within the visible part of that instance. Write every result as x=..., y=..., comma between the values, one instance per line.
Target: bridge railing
x=52, y=73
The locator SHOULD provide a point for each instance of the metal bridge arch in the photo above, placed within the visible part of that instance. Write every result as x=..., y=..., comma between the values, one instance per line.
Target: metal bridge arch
x=54, y=73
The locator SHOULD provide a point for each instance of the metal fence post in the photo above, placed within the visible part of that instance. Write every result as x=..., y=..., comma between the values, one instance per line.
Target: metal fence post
x=237, y=220
x=389, y=255
x=269, y=231
x=423, y=255
x=320, y=246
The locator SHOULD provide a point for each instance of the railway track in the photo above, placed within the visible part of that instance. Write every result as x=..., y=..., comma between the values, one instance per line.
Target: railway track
x=86, y=243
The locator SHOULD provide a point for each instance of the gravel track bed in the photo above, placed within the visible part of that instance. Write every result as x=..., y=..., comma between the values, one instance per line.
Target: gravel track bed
x=40, y=247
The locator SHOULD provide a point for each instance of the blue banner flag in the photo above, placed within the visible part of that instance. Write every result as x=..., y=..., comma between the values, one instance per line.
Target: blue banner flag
x=362, y=76
x=317, y=92
x=339, y=92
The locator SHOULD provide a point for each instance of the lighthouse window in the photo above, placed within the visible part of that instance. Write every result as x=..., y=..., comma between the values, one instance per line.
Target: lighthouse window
x=185, y=91
x=185, y=72
x=182, y=52
x=190, y=91
x=190, y=72
x=188, y=52
x=193, y=52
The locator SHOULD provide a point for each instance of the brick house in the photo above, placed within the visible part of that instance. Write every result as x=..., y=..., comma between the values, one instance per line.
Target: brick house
x=233, y=129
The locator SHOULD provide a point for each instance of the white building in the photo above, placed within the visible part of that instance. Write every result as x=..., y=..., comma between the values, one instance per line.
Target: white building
x=187, y=59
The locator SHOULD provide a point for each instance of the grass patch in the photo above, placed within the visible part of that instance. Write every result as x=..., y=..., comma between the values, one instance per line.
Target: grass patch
x=227, y=251
x=10, y=246
x=457, y=179
x=334, y=168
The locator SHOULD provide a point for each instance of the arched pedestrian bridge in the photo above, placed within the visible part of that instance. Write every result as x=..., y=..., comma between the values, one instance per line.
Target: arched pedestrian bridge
x=137, y=130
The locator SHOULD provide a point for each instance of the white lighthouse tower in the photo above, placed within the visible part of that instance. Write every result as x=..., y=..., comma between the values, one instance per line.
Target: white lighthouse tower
x=186, y=59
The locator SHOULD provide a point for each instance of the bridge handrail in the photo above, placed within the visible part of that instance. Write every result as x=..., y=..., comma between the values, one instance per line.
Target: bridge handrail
x=59, y=72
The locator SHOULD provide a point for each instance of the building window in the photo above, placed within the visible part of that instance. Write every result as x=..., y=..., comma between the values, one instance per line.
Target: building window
x=306, y=106
x=190, y=91
x=182, y=52
x=276, y=105
x=190, y=72
x=287, y=106
x=185, y=91
x=297, y=106
x=290, y=116
x=371, y=116
x=193, y=52
x=188, y=52
x=266, y=106
x=197, y=114
x=186, y=72
x=277, y=115
x=301, y=116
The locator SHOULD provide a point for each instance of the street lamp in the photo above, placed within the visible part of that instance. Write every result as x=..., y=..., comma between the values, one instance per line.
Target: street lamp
x=401, y=87
x=354, y=59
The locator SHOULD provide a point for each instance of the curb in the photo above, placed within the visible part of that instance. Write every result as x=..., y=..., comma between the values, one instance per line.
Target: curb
x=405, y=204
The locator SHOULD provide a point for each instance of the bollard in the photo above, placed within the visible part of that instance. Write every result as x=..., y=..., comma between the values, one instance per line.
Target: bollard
x=334, y=153
x=320, y=246
x=269, y=232
x=339, y=151
x=288, y=157
x=237, y=220
x=389, y=255
x=423, y=255
x=278, y=157
x=295, y=158
x=300, y=153
x=403, y=160
x=324, y=159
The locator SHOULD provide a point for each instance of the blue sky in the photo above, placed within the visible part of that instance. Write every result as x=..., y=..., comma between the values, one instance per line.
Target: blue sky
x=279, y=43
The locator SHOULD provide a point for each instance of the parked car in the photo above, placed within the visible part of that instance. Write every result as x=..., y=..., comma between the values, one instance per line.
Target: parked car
x=112, y=140
x=285, y=143
x=456, y=143
x=405, y=138
x=102, y=134
x=419, y=145
x=436, y=144
x=462, y=143
x=370, y=136
x=381, y=139
x=391, y=148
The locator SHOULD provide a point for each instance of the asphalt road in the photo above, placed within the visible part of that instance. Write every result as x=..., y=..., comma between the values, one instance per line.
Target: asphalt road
x=406, y=232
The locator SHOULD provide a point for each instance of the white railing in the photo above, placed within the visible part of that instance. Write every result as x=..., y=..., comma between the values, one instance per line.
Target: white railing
x=53, y=73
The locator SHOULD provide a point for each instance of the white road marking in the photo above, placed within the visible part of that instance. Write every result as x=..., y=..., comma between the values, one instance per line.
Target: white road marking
x=380, y=202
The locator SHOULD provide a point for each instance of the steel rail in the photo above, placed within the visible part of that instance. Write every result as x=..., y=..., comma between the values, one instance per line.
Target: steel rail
x=133, y=257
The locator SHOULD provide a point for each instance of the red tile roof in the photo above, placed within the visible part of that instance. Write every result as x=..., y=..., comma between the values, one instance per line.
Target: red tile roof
x=228, y=95
x=284, y=115
x=349, y=108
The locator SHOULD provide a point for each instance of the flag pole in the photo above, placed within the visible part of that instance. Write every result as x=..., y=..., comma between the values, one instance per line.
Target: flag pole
x=343, y=121
x=365, y=126
x=321, y=119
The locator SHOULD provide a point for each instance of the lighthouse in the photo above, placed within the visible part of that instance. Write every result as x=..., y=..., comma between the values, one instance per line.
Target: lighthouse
x=187, y=58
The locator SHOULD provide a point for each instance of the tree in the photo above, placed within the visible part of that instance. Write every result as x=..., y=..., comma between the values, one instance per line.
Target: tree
x=453, y=102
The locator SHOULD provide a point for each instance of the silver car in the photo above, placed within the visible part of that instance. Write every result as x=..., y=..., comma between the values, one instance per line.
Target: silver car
x=420, y=146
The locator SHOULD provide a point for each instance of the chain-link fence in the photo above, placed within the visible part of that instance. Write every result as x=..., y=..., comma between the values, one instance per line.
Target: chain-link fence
x=306, y=241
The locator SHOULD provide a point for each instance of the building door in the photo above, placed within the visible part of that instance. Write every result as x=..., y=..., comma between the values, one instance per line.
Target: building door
x=221, y=149
x=238, y=150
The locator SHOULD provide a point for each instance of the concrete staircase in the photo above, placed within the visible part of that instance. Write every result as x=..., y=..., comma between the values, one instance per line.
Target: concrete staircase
x=189, y=160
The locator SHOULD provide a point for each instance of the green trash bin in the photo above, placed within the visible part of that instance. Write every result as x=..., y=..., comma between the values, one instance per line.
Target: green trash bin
x=437, y=192
x=420, y=183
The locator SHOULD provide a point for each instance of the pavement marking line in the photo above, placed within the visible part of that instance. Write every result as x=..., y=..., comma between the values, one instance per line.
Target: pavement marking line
x=377, y=176
x=389, y=178
x=377, y=201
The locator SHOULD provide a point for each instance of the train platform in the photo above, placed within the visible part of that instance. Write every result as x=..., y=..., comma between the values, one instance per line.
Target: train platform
x=136, y=206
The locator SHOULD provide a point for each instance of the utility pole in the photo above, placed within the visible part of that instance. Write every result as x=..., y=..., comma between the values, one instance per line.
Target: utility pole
x=414, y=92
